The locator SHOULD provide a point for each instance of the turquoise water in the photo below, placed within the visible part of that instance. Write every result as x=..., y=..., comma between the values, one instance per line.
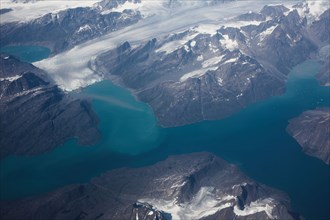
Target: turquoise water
x=27, y=53
x=255, y=139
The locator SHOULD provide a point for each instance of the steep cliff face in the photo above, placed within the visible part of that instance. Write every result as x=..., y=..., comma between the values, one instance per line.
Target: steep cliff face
x=311, y=130
x=35, y=115
x=211, y=72
x=323, y=76
x=320, y=26
x=320, y=29
x=194, y=186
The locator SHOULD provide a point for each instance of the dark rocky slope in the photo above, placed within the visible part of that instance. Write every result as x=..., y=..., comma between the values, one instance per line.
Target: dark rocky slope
x=5, y=10
x=312, y=131
x=194, y=186
x=35, y=115
x=320, y=29
x=323, y=76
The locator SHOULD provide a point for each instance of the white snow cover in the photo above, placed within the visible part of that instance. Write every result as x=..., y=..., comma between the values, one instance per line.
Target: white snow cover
x=239, y=24
x=239, y=185
x=204, y=203
x=312, y=9
x=126, y=5
x=239, y=95
x=264, y=205
x=228, y=43
x=178, y=185
x=267, y=32
x=34, y=9
x=220, y=80
x=157, y=7
x=196, y=73
x=146, y=7
x=11, y=78
x=174, y=45
x=207, y=28
x=317, y=7
x=84, y=28
x=200, y=58
x=70, y=69
x=34, y=92
x=231, y=60
x=212, y=61
x=193, y=74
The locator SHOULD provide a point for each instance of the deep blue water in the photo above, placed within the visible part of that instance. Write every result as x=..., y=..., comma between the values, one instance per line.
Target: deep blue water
x=254, y=139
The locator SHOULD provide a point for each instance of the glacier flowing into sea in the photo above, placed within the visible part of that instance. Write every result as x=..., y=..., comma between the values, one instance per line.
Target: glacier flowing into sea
x=71, y=69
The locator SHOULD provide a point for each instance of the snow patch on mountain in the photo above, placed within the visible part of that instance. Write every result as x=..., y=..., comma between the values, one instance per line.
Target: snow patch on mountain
x=267, y=32
x=126, y=6
x=239, y=24
x=11, y=78
x=311, y=9
x=232, y=60
x=193, y=74
x=83, y=28
x=174, y=45
x=207, y=28
x=212, y=61
x=200, y=58
x=145, y=7
x=317, y=7
x=229, y=43
x=264, y=205
x=204, y=203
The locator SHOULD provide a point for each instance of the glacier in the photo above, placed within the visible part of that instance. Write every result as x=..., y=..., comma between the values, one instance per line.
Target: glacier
x=71, y=69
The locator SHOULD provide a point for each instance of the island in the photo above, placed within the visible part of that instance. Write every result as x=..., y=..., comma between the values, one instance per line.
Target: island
x=312, y=131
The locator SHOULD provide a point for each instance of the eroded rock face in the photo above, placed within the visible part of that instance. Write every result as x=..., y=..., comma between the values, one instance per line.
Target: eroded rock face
x=193, y=76
x=323, y=76
x=35, y=115
x=193, y=186
x=312, y=131
x=320, y=28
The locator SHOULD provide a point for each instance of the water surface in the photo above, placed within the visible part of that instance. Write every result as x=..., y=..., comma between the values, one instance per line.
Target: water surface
x=254, y=139
x=28, y=54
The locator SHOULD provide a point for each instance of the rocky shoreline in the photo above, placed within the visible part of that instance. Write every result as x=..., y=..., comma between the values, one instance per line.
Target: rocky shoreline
x=190, y=186
x=312, y=131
